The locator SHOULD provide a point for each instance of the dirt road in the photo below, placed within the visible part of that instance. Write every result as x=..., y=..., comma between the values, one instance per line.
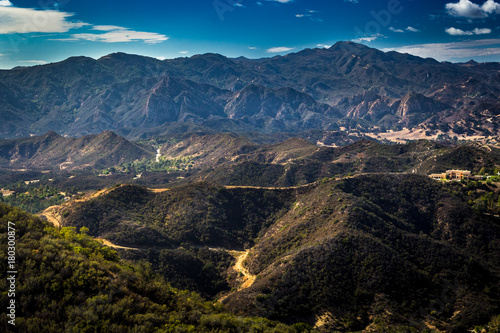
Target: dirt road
x=248, y=278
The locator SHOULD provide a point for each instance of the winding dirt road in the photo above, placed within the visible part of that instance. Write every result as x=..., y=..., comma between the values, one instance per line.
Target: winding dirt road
x=108, y=243
x=248, y=278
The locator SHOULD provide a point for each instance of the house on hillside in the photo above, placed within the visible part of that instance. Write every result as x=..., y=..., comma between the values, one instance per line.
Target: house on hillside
x=438, y=176
x=453, y=175
x=458, y=174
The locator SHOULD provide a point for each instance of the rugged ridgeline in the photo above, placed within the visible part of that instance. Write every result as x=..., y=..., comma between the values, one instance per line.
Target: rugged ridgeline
x=67, y=281
x=373, y=252
x=54, y=152
x=346, y=86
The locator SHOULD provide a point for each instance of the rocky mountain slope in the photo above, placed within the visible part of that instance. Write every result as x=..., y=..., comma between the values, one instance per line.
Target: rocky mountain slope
x=348, y=85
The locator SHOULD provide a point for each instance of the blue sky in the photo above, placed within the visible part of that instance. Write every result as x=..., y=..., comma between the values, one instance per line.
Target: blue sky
x=44, y=31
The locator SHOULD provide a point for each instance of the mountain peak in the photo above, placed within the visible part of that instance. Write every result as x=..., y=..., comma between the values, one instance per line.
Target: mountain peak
x=348, y=46
x=472, y=62
x=51, y=134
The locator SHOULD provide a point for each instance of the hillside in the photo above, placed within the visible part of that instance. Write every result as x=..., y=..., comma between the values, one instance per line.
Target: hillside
x=363, y=253
x=233, y=160
x=348, y=86
x=67, y=281
x=98, y=161
x=54, y=152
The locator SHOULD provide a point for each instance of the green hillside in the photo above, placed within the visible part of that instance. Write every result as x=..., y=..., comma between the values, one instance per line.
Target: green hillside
x=68, y=282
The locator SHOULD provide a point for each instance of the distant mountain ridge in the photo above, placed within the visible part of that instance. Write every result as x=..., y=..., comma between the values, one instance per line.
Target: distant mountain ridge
x=321, y=89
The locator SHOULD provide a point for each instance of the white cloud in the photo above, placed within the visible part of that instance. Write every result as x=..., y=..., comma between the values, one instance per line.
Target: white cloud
x=483, y=31
x=465, y=8
x=367, y=39
x=107, y=27
x=40, y=62
x=280, y=49
x=396, y=30
x=353, y=1
x=323, y=46
x=459, y=32
x=252, y=48
x=123, y=35
x=412, y=29
x=468, y=9
x=491, y=7
x=281, y=1
x=183, y=52
x=452, y=51
x=310, y=14
x=27, y=20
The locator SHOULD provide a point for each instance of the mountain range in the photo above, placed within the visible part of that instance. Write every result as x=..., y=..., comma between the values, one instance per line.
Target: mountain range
x=263, y=185
x=348, y=86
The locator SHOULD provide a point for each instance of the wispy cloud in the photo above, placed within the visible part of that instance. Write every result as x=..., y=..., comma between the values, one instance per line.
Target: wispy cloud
x=183, y=52
x=310, y=15
x=459, y=32
x=471, y=10
x=368, y=39
x=252, y=48
x=412, y=29
x=396, y=30
x=281, y=1
x=352, y=1
x=122, y=35
x=107, y=27
x=26, y=20
x=39, y=62
x=452, y=51
x=280, y=49
x=323, y=46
